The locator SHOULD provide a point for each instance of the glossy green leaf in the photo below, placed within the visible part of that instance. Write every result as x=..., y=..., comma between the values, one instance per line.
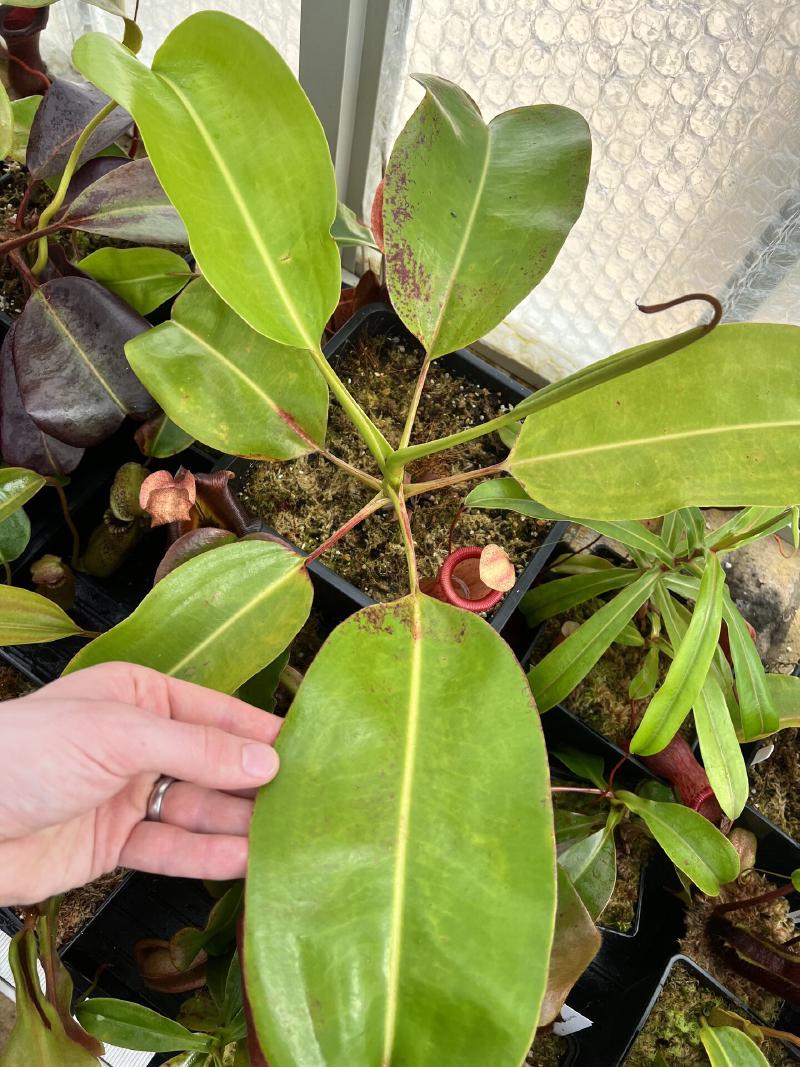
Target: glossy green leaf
x=728, y=1047
x=645, y=456
x=347, y=231
x=160, y=437
x=258, y=209
x=757, y=713
x=23, y=111
x=474, y=214
x=795, y=876
x=15, y=532
x=722, y=756
x=576, y=942
x=6, y=123
x=144, y=277
x=692, y=843
x=644, y=681
x=17, y=486
x=554, y=598
x=133, y=1026
x=592, y=867
x=198, y=622
x=784, y=693
x=446, y=891
x=587, y=765
x=228, y=386
x=554, y=677
x=216, y=937
x=688, y=671
x=27, y=618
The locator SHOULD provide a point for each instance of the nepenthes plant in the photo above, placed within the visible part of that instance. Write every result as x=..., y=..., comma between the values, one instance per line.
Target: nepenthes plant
x=401, y=895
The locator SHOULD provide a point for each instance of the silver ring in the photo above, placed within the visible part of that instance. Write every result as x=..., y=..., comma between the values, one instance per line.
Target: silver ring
x=156, y=801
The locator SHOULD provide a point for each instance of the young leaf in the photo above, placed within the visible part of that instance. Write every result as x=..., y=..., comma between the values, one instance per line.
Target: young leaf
x=160, y=437
x=65, y=110
x=692, y=843
x=198, y=622
x=143, y=277
x=554, y=677
x=644, y=682
x=228, y=386
x=27, y=618
x=455, y=186
x=630, y=636
x=585, y=765
x=747, y=525
x=23, y=113
x=688, y=671
x=722, y=756
x=611, y=434
x=15, y=532
x=133, y=1026
x=216, y=937
x=592, y=867
x=347, y=231
x=757, y=713
x=351, y=836
x=70, y=363
x=17, y=486
x=575, y=944
x=728, y=1047
x=275, y=192
x=127, y=203
x=553, y=598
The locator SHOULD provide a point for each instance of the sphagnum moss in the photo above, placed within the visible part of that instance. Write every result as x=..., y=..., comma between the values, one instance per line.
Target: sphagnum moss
x=773, y=784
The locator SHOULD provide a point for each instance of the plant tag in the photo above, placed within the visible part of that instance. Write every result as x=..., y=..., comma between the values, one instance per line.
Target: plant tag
x=571, y=1022
x=762, y=754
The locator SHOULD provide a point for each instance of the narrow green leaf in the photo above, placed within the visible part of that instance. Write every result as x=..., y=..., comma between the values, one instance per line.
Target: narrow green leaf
x=692, y=843
x=644, y=682
x=348, y=232
x=27, y=618
x=672, y=530
x=688, y=671
x=15, y=532
x=259, y=219
x=198, y=622
x=24, y=111
x=133, y=1026
x=784, y=693
x=456, y=186
x=694, y=524
x=645, y=458
x=447, y=897
x=554, y=598
x=728, y=1047
x=228, y=386
x=592, y=867
x=575, y=945
x=554, y=677
x=144, y=277
x=748, y=525
x=587, y=765
x=630, y=636
x=757, y=713
x=17, y=486
x=722, y=756
x=6, y=123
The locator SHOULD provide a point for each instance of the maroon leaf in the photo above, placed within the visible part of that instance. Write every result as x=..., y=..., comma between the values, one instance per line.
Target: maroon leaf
x=69, y=358
x=190, y=545
x=63, y=113
x=91, y=172
x=127, y=203
x=22, y=443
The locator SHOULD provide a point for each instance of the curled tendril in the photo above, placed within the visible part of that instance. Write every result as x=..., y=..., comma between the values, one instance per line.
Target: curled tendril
x=652, y=309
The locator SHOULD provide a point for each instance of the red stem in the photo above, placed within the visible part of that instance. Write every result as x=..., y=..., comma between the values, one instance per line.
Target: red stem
x=356, y=520
x=765, y=898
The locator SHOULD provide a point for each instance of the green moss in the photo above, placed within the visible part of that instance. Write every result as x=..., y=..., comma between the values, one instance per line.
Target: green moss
x=307, y=499
x=673, y=1027
x=548, y=1050
x=773, y=784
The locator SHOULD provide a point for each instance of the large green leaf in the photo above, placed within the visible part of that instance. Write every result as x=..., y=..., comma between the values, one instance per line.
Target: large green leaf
x=728, y=1047
x=693, y=844
x=554, y=677
x=227, y=385
x=245, y=162
x=133, y=1026
x=554, y=598
x=757, y=712
x=689, y=669
x=216, y=620
x=401, y=890
x=576, y=942
x=144, y=277
x=722, y=756
x=27, y=618
x=474, y=215
x=653, y=457
x=17, y=486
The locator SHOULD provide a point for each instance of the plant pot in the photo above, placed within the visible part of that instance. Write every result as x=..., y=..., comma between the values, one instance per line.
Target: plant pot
x=378, y=321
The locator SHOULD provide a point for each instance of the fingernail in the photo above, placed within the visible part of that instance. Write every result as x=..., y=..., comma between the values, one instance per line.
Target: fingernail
x=260, y=761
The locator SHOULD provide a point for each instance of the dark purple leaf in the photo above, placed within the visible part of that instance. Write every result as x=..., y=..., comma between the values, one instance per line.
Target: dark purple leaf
x=63, y=113
x=59, y=265
x=190, y=545
x=69, y=358
x=762, y=962
x=91, y=172
x=22, y=443
x=128, y=203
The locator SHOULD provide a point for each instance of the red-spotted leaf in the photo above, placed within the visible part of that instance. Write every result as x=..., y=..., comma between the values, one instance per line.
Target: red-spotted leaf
x=69, y=359
x=65, y=110
x=127, y=203
x=22, y=443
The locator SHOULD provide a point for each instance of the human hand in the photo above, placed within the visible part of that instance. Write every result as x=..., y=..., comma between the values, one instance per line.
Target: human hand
x=78, y=762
